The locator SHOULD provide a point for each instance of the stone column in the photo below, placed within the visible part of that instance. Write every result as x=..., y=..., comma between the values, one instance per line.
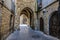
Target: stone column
x=46, y=23
x=17, y=22
x=17, y=18
x=17, y=15
x=36, y=21
x=36, y=17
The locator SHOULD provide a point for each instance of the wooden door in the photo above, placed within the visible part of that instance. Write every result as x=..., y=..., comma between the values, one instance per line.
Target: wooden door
x=41, y=25
x=54, y=26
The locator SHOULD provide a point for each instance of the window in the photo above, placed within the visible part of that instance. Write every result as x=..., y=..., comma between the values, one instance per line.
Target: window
x=39, y=4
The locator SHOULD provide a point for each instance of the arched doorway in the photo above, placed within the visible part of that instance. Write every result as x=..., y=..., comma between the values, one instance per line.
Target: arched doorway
x=11, y=23
x=41, y=24
x=54, y=28
x=28, y=17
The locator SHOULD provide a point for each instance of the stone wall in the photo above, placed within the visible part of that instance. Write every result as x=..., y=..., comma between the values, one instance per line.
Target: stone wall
x=46, y=16
x=5, y=28
x=21, y=4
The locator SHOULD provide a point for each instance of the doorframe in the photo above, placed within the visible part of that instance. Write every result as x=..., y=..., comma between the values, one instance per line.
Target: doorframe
x=42, y=24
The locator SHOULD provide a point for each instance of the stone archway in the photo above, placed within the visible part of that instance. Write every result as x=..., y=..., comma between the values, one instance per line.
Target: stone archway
x=29, y=16
x=54, y=26
x=41, y=24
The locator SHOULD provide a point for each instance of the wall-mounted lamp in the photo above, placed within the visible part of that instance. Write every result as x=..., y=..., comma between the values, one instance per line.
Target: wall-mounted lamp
x=44, y=11
x=2, y=2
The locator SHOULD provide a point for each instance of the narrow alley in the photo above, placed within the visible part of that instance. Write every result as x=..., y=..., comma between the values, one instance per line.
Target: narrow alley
x=29, y=19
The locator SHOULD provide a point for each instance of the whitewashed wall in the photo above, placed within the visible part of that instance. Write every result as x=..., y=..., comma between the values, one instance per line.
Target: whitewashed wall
x=46, y=2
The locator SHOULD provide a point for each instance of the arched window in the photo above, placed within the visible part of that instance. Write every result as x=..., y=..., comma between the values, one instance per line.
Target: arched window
x=39, y=4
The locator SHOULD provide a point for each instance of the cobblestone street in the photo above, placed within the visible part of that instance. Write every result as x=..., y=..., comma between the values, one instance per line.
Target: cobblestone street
x=26, y=33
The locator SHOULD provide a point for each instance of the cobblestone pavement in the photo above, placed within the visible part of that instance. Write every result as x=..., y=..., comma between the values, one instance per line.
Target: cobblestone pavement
x=26, y=33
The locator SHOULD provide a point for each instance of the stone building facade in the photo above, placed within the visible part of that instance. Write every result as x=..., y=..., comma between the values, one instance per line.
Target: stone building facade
x=44, y=17
x=6, y=21
x=41, y=18
x=29, y=7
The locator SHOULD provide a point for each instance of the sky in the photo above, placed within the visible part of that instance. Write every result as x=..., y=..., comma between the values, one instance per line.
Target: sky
x=45, y=2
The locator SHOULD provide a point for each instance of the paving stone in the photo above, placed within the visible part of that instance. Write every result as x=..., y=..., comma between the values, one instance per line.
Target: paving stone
x=26, y=33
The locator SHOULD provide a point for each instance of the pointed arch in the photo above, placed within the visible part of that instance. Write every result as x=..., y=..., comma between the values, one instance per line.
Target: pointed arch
x=29, y=13
x=54, y=26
